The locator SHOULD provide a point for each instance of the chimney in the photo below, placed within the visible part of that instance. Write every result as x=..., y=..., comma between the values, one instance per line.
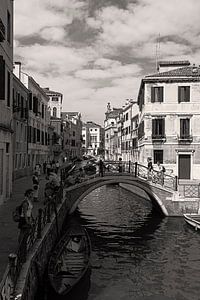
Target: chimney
x=17, y=69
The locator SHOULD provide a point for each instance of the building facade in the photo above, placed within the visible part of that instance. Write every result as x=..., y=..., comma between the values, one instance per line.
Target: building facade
x=111, y=132
x=6, y=84
x=169, y=118
x=72, y=131
x=93, y=138
x=20, y=126
x=39, y=138
x=55, y=108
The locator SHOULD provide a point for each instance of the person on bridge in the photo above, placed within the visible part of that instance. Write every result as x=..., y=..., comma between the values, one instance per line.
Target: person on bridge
x=101, y=168
x=149, y=168
x=120, y=165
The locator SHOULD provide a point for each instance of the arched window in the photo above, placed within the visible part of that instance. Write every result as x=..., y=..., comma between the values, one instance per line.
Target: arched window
x=54, y=111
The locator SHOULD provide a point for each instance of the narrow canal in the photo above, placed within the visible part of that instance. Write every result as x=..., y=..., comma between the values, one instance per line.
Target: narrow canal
x=135, y=253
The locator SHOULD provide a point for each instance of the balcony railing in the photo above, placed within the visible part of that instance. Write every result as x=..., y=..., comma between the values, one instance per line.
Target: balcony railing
x=185, y=138
x=159, y=137
x=57, y=148
x=2, y=31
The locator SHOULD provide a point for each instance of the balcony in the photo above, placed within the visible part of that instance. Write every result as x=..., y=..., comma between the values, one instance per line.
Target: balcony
x=158, y=138
x=2, y=31
x=185, y=139
x=57, y=148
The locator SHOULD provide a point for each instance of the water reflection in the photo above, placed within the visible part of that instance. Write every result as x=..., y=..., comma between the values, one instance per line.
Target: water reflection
x=136, y=254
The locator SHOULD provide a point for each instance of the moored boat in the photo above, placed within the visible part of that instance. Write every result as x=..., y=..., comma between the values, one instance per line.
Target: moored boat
x=193, y=220
x=70, y=260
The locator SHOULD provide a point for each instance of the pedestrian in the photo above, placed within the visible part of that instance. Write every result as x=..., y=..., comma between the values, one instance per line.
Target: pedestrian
x=120, y=165
x=44, y=167
x=57, y=166
x=101, y=168
x=35, y=180
x=38, y=169
x=48, y=168
x=26, y=218
x=149, y=168
x=160, y=173
x=54, y=181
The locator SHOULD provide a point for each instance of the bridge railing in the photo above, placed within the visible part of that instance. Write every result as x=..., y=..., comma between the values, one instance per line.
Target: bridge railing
x=139, y=170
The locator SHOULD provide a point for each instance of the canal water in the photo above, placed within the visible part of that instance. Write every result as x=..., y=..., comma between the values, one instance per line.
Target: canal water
x=136, y=254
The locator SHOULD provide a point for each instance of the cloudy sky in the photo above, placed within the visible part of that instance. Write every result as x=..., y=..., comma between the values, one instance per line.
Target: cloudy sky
x=97, y=51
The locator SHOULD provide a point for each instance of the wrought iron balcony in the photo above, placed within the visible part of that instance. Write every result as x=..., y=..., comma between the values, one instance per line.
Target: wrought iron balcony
x=185, y=138
x=57, y=148
x=158, y=137
x=2, y=31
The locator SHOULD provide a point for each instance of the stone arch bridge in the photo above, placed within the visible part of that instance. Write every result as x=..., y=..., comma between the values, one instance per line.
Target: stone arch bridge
x=161, y=197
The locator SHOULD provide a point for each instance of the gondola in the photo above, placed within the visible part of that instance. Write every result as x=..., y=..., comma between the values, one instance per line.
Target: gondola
x=70, y=260
x=193, y=220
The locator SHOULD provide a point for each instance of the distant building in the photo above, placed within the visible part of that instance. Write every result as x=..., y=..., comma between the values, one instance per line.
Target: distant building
x=6, y=85
x=39, y=130
x=111, y=132
x=55, y=107
x=93, y=138
x=21, y=166
x=128, y=119
x=169, y=118
x=72, y=140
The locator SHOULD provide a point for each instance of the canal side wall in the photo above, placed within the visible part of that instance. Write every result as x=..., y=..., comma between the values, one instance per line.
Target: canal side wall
x=32, y=272
x=175, y=206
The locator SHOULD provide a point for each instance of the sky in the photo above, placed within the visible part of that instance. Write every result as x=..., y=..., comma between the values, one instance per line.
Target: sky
x=97, y=51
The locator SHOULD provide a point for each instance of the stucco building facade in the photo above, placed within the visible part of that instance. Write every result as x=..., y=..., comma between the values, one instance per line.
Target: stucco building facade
x=6, y=84
x=169, y=103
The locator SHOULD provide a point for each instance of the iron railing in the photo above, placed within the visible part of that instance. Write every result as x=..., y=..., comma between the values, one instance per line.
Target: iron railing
x=17, y=260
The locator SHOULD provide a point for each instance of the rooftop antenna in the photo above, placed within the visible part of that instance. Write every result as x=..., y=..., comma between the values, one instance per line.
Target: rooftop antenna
x=157, y=51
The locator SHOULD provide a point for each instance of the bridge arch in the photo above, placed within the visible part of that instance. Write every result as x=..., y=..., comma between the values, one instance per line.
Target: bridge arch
x=90, y=186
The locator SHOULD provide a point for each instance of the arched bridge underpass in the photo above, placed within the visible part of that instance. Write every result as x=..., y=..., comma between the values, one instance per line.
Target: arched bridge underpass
x=161, y=197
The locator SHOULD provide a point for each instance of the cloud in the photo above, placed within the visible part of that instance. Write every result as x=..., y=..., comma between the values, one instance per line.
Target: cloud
x=142, y=23
x=35, y=15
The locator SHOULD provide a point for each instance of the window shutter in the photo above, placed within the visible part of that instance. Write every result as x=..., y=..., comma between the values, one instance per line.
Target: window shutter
x=30, y=101
x=152, y=94
x=2, y=78
x=187, y=127
x=163, y=127
x=179, y=94
x=161, y=94
x=187, y=98
x=181, y=127
x=153, y=127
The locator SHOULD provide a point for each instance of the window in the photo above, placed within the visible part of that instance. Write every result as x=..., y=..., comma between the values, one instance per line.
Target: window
x=158, y=128
x=73, y=143
x=158, y=156
x=8, y=27
x=141, y=130
x=8, y=89
x=54, y=98
x=126, y=116
x=157, y=94
x=38, y=135
x=73, y=133
x=30, y=101
x=183, y=94
x=43, y=111
x=7, y=148
x=2, y=78
x=54, y=112
x=184, y=128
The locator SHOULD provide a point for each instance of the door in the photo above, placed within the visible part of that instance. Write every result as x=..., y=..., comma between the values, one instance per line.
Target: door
x=184, y=166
